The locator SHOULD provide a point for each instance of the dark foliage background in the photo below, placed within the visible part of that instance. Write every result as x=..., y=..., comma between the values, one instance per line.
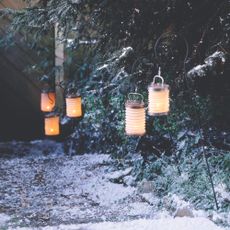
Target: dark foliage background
x=115, y=47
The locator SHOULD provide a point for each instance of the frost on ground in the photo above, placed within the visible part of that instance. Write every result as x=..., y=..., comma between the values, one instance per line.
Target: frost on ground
x=143, y=224
x=41, y=186
x=39, y=189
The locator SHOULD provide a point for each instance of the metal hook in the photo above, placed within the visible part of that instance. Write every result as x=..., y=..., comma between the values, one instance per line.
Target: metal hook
x=160, y=77
x=159, y=71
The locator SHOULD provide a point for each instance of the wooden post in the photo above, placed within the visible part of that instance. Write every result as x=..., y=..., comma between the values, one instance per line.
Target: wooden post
x=59, y=64
x=13, y=4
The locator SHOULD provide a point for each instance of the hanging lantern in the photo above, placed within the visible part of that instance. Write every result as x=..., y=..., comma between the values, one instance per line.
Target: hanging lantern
x=135, y=116
x=52, y=125
x=158, y=97
x=48, y=99
x=73, y=105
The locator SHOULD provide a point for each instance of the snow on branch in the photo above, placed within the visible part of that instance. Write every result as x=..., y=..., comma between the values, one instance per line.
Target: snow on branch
x=112, y=70
x=115, y=59
x=210, y=63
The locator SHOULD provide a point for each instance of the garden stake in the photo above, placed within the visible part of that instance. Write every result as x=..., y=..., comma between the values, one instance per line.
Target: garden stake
x=71, y=138
x=197, y=115
x=171, y=139
x=208, y=166
x=200, y=133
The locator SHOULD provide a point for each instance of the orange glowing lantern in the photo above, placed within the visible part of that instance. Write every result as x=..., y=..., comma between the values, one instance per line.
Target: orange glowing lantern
x=158, y=97
x=73, y=105
x=135, y=116
x=52, y=125
x=48, y=100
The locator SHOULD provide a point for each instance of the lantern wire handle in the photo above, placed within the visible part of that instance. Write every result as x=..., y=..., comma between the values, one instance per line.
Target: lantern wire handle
x=71, y=89
x=158, y=76
x=136, y=94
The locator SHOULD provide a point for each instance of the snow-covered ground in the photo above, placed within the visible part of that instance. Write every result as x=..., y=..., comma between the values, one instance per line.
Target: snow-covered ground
x=143, y=224
x=41, y=186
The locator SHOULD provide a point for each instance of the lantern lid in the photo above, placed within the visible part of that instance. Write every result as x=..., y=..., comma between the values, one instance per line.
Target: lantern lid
x=158, y=86
x=72, y=92
x=73, y=95
x=134, y=104
x=135, y=100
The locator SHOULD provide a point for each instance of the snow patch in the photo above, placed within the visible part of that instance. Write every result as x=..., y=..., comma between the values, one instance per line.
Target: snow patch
x=221, y=190
x=199, y=70
x=143, y=224
x=4, y=219
x=117, y=175
x=210, y=63
x=115, y=59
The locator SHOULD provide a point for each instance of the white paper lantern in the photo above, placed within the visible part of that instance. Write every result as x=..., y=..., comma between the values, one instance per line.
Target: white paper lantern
x=48, y=99
x=135, y=116
x=73, y=106
x=52, y=125
x=158, y=98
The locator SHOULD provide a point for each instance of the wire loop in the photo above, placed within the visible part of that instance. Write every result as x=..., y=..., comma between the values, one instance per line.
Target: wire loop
x=136, y=94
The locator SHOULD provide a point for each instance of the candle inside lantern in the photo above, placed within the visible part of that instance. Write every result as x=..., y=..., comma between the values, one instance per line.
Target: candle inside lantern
x=158, y=98
x=52, y=126
x=135, y=118
x=73, y=106
x=47, y=101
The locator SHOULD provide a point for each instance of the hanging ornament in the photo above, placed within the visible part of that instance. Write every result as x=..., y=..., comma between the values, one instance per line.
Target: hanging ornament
x=48, y=100
x=135, y=115
x=73, y=104
x=52, y=124
x=158, y=97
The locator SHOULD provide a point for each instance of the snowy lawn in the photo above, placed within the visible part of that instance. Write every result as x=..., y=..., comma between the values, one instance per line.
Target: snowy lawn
x=51, y=188
x=40, y=187
x=142, y=224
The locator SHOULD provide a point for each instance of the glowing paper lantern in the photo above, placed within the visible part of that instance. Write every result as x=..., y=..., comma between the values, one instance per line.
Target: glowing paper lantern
x=52, y=125
x=135, y=116
x=48, y=99
x=158, y=98
x=73, y=106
